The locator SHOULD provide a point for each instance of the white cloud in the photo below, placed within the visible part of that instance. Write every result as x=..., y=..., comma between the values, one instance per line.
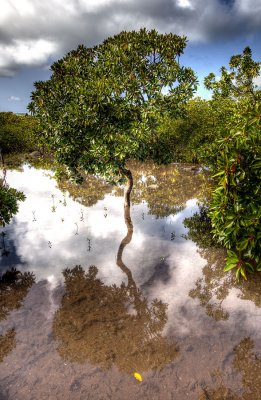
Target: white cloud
x=14, y=98
x=31, y=31
x=184, y=3
x=23, y=7
x=25, y=52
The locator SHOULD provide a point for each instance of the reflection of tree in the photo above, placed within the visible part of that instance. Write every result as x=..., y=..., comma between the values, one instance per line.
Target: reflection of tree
x=16, y=161
x=166, y=189
x=14, y=286
x=200, y=228
x=209, y=289
x=7, y=343
x=110, y=325
x=249, y=365
x=89, y=192
x=215, y=285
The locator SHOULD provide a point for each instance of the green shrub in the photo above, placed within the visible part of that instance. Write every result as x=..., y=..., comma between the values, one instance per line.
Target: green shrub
x=18, y=133
x=9, y=198
x=235, y=210
x=192, y=136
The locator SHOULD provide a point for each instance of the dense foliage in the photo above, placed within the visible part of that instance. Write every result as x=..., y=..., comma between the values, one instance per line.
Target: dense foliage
x=102, y=103
x=18, y=133
x=235, y=210
x=191, y=136
x=237, y=82
x=9, y=198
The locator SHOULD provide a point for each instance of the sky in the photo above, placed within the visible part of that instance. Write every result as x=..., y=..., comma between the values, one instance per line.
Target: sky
x=35, y=33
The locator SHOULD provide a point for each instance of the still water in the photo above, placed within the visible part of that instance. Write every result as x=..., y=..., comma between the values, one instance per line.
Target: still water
x=98, y=294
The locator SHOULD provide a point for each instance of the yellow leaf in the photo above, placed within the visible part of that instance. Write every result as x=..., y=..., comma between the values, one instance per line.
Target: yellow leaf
x=137, y=376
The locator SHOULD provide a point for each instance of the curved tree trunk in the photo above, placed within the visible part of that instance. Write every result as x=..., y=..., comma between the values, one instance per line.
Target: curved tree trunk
x=125, y=241
x=128, y=188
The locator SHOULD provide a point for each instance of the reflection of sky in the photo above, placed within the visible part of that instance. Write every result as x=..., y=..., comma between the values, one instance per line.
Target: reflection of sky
x=163, y=264
x=49, y=235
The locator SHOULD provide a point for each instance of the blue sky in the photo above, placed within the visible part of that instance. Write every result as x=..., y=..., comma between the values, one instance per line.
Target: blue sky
x=34, y=33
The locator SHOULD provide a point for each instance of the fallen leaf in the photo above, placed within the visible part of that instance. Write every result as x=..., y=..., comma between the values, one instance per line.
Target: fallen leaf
x=138, y=376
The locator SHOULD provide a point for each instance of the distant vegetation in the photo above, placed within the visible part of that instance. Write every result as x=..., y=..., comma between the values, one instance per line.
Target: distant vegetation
x=18, y=133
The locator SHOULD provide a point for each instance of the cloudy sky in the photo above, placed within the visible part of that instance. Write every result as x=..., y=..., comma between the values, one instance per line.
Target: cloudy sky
x=35, y=33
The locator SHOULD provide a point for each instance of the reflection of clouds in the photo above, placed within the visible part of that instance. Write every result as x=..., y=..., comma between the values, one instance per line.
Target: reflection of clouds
x=162, y=265
x=48, y=245
x=244, y=315
x=32, y=238
x=113, y=223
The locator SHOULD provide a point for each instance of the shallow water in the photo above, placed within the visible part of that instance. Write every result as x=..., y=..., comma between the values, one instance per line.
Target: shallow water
x=99, y=296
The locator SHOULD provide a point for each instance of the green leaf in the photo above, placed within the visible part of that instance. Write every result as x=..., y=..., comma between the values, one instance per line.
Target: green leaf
x=242, y=272
x=230, y=266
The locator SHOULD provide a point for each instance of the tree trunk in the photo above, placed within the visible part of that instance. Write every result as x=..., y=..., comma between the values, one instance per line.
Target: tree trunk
x=128, y=187
x=125, y=241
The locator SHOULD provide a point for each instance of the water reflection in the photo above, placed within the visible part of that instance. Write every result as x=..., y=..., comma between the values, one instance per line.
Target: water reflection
x=166, y=189
x=215, y=285
x=200, y=229
x=7, y=343
x=158, y=263
x=14, y=286
x=4, y=251
x=89, y=192
x=49, y=241
x=209, y=289
x=111, y=325
x=248, y=363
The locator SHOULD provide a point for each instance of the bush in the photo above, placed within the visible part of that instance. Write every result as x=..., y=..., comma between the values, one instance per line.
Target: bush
x=9, y=198
x=235, y=210
x=18, y=133
x=191, y=137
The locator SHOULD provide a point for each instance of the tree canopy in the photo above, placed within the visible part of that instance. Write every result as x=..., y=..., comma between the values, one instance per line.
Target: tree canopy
x=101, y=103
x=239, y=82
